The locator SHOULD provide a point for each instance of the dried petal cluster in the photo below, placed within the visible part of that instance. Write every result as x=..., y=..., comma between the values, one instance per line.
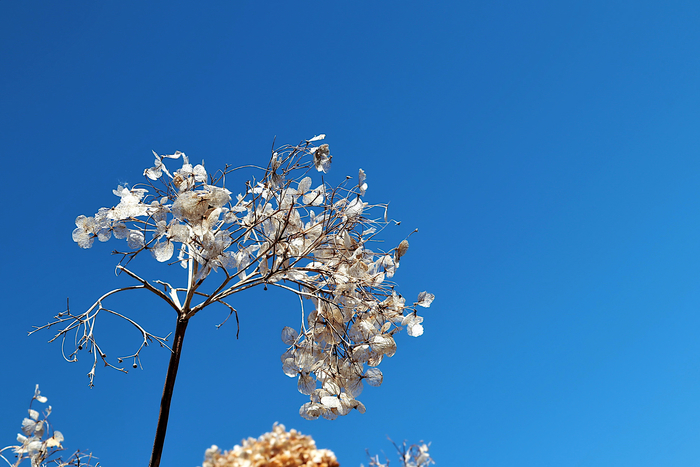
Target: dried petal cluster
x=415, y=455
x=191, y=211
x=287, y=231
x=39, y=442
x=278, y=448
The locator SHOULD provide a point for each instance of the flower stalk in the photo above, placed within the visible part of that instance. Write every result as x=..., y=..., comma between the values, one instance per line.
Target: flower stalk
x=168, y=388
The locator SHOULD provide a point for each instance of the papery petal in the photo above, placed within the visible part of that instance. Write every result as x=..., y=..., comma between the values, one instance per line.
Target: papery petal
x=82, y=238
x=362, y=185
x=316, y=138
x=330, y=414
x=200, y=174
x=120, y=230
x=310, y=411
x=104, y=234
x=415, y=330
x=331, y=402
x=290, y=368
x=289, y=335
x=163, y=251
x=179, y=233
x=306, y=384
x=332, y=387
x=135, y=240
x=322, y=158
x=39, y=429
x=374, y=376
x=355, y=208
x=304, y=184
x=361, y=353
x=28, y=426
x=400, y=250
x=38, y=396
x=55, y=440
x=155, y=172
x=354, y=387
x=383, y=344
x=425, y=299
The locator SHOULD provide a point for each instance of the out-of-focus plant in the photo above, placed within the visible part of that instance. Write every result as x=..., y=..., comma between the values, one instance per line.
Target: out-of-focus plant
x=40, y=443
x=282, y=230
x=414, y=455
x=278, y=448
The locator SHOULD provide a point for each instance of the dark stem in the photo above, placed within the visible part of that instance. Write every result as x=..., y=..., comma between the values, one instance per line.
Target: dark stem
x=168, y=393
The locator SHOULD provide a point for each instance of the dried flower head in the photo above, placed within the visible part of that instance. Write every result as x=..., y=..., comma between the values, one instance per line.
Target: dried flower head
x=278, y=448
x=40, y=443
x=415, y=455
x=284, y=230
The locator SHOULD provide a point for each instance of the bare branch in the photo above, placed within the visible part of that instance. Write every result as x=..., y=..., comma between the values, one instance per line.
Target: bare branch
x=83, y=326
x=148, y=286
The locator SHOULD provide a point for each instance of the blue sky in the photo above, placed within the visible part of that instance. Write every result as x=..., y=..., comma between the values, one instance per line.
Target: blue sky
x=546, y=151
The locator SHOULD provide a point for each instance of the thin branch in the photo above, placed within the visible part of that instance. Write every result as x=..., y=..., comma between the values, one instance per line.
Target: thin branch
x=147, y=285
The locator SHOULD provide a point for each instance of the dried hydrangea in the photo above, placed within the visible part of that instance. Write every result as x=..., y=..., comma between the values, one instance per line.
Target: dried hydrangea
x=415, y=455
x=278, y=448
x=285, y=229
x=40, y=443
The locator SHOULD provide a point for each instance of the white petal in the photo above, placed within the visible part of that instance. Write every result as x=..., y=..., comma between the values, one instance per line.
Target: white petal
x=304, y=184
x=290, y=368
x=331, y=402
x=120, y=231
x=163, y=251
x=355, y=208
x=200, y=174
x=354, y=387
x=28, y=426
x=55, y=440
x=374, y=376
x=425, y=299
x=415, y=330
x=104, y=234
x=38, y=396
x=362, y=185
x=82, y=238
x=306, y=384
x=289, y=335
x=332, y=387
x=383, y=344
x=310, y=411
x=153, y=173
x=400, y=250
x=135, y=239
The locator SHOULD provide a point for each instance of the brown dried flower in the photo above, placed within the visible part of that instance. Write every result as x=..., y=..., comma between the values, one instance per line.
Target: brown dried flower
x=278, y=448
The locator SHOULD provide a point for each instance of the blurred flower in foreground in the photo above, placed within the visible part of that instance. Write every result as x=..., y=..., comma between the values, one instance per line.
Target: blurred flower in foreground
x=415, y=455
x=278, y=448
x=37, y=446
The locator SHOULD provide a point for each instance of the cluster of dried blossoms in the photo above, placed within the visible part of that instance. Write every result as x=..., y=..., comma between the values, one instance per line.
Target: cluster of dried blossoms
x=415, y=455
x=37, y=446
x=285, y=231
x=278, y=448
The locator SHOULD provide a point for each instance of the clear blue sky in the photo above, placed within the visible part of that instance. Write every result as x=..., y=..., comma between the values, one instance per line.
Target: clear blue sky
x=548, y=152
